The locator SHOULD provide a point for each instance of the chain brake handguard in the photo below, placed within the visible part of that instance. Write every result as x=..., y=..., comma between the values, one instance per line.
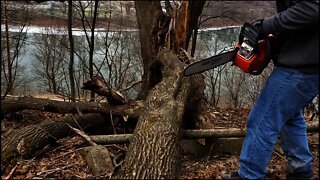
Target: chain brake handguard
x=250, y=36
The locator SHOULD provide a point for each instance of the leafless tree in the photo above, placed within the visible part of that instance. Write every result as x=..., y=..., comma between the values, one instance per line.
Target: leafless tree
x=12, y=45
x=89, y=22
x=50, y=60
x=216, y=42
x=71, y=60
x=254, y=84
x=121, y=65
x=81, y=67
x=234, y=80
x=213, y=84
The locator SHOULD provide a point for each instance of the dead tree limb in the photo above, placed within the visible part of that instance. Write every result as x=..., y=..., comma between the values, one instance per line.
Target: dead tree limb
x=99, y=86
x=186, y=134
x=24, y=142
x=111, y=139
x=21, y=103
x=83, y=135
x=11, y=105
x=131, y=86
x=189, y=134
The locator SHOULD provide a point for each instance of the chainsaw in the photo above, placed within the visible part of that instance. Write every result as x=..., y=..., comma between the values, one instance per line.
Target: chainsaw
x=250, y=54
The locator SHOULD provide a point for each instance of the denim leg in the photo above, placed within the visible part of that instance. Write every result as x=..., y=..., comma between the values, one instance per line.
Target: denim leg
x=294, y=142
x=285, y=94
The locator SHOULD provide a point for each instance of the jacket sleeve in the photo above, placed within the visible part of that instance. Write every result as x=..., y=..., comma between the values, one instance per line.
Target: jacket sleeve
x=301, y=15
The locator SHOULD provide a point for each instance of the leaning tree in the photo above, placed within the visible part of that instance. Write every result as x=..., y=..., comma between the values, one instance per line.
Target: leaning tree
x=171, y=100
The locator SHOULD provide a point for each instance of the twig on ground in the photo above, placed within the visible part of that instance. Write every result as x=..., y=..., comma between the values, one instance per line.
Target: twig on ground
x=72, y=151
x=11, y=172
x=118, y=147
x=51, y=171
x=83, y=135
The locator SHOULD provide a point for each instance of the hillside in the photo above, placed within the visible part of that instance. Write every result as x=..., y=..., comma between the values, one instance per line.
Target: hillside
x=112, y=14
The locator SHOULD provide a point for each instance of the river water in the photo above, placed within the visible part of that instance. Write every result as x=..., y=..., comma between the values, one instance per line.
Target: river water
x=110, y=47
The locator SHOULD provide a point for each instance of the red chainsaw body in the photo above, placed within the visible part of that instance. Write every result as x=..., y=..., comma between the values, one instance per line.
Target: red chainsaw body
x=253, y=62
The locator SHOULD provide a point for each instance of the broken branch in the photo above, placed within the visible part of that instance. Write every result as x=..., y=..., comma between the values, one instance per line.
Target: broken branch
x=189, y=134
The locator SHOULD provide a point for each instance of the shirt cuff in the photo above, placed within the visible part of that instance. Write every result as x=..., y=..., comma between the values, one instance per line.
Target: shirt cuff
x=267, y=26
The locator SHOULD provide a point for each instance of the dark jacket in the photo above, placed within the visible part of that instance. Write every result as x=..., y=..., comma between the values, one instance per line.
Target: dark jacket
x=297, y=26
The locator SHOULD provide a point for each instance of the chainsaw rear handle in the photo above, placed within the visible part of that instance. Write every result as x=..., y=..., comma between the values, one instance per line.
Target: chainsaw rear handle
x=263, y=58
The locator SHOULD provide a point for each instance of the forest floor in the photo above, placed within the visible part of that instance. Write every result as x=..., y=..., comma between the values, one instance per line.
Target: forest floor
x=63, y=160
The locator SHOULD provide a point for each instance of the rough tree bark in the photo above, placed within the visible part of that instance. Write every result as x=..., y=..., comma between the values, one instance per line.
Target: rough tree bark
x=11, y=105
x=24, y=142
x=149, y=18
x=154, y=151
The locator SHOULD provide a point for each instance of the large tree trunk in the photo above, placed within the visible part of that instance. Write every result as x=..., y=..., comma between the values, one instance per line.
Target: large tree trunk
x=24, y=142
x=149, y=16
x=154, y=151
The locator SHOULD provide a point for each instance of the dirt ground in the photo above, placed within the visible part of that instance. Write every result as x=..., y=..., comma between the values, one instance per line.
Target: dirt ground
x=63, y=160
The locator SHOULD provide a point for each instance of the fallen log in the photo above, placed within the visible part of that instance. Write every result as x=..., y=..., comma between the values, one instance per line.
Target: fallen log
x=111, y=139
x=186, y=134
x=26, y=141
x=189, y=134
x=11, y=105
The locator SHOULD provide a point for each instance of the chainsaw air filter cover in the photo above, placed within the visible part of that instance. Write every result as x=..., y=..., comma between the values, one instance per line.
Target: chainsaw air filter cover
x=251, y=60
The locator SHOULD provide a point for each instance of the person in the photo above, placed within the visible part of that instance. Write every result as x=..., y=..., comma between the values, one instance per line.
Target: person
x=293, y=83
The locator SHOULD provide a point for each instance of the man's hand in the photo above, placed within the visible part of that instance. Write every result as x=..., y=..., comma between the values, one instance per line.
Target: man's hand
x=258, y=25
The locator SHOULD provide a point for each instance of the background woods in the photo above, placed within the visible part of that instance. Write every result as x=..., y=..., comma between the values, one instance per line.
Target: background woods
x=74, y=69
x=120, y=56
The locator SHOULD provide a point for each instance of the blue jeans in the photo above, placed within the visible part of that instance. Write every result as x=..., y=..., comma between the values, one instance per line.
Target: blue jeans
x=279, y=111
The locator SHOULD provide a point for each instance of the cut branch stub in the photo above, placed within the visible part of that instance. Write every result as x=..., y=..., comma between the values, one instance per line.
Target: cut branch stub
x=99, y=86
